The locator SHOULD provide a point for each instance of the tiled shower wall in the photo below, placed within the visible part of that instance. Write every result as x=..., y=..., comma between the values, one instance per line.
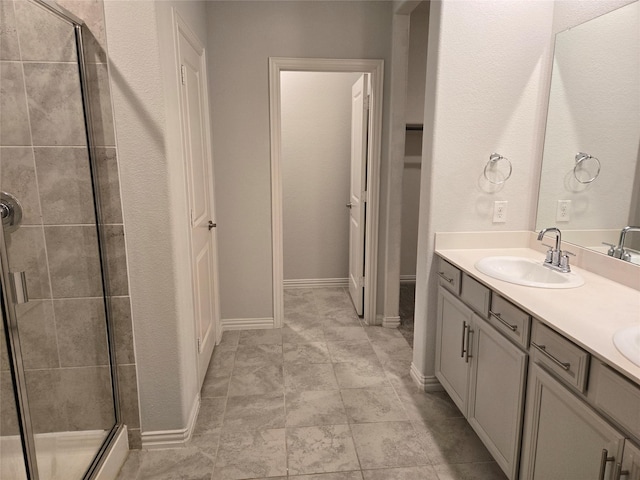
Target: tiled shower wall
x=43, y=161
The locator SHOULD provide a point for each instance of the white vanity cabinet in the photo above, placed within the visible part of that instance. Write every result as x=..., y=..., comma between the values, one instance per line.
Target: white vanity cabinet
x=455, y=321
x=629, y=468
x=496, y=394
x=544, y=403
x=484, y=373
x=564, y=439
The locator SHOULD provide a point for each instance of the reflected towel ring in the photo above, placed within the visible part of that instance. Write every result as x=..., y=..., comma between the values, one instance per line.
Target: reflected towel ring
x=494, y=158
x=580, y=158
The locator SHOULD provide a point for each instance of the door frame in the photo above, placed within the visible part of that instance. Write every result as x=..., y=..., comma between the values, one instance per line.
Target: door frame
x=375, y=69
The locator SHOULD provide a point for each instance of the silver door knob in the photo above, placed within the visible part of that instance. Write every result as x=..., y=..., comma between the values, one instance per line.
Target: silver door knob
x=212, y=225
x=349, y=205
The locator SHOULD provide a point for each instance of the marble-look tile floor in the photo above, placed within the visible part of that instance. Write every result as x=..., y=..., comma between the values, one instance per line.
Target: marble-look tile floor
x=324, y=398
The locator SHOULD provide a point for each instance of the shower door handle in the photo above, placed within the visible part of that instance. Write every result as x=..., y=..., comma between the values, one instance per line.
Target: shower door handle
x=19, y=287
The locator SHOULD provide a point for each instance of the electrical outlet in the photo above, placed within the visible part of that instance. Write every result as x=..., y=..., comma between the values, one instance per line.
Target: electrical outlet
x=500, y=211
x=563, y=213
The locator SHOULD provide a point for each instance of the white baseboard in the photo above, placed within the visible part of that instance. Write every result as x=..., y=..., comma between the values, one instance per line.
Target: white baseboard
x=116, y=457
x=378, y=321
x=172, y=438
x=246, y=323
x=427, y=383
x=391, y=322
x=407, y=279
x=315, y=283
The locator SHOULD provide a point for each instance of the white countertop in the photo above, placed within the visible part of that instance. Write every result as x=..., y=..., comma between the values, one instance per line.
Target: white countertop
x=589, y=315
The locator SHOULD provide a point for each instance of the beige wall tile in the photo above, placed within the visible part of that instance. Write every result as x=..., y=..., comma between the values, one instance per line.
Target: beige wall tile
x=26, y=252
x=9, y=49
x=37, y=330
x=73, y=261
x=116, y=259
x=64, y=181
x=123, y=330
x=88, y=398
x=18, y=177
x=55, y=104
x=47, y=401
x=14, y=121
x=43, y=35
x=128, y=386
x=82, y=332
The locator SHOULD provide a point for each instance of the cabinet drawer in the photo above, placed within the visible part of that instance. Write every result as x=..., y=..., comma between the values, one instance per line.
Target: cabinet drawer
x=510, y=320
x=615, y=396
x=475, y=294
x=568, y=361
x=449, y=276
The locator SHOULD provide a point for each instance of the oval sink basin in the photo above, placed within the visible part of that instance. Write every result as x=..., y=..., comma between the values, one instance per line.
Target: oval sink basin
x=627, y=341
x=525, y=271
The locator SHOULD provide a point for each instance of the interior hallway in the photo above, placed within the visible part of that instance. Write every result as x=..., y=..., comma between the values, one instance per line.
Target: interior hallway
x=324, y=395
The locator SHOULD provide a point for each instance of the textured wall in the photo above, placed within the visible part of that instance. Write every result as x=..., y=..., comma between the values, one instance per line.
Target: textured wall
x=316, y=159
x=154, y=208
x=418, y=33
x=484, y=93
x=242, y=36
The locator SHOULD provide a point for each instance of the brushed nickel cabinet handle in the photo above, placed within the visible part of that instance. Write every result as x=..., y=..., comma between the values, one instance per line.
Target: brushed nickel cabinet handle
x=445, y=278
x=604, y=459
x=498, y=316
x=467, y=356
x=464, y=337
x=619, y=473
x=543, y=349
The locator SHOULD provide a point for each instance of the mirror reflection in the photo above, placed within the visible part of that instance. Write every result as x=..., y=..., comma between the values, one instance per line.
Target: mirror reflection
x=590, y=183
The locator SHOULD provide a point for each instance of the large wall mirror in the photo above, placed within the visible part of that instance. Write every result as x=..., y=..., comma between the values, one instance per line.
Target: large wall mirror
x=590, y=183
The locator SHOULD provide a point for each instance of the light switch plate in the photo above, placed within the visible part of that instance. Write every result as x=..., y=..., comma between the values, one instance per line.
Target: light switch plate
x=500, y=211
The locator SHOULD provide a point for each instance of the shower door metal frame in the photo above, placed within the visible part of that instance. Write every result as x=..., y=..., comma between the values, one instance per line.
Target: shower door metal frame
x=7, y=302
x=14, y=351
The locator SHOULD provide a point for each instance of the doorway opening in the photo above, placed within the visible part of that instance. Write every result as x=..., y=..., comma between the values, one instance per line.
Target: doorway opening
x=360, y=197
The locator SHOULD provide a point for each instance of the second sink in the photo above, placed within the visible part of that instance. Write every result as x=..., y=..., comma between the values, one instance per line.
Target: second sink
x=525, y=271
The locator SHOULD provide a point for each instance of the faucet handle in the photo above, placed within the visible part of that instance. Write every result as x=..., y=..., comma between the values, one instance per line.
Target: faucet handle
x=550, y=252
x=564, y=261
x=549, y=257
x=612, y=248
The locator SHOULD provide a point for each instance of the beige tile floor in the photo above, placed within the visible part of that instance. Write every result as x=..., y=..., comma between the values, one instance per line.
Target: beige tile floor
x=324, y=398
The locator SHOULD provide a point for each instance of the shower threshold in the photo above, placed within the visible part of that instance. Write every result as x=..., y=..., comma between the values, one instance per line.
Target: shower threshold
x=61, y=455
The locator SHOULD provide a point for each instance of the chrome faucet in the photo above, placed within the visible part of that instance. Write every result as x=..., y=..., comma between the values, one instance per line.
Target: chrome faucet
x=618, y=251
x=556, y=258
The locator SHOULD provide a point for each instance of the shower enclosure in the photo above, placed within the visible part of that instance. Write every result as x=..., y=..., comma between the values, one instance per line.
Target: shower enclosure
x=58, y=386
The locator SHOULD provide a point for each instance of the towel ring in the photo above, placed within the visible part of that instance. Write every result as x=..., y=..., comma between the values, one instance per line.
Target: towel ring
x=494, y=158
x=581, y=157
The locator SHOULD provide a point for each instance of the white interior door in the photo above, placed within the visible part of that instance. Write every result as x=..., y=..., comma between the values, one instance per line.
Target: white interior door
x=357, y=198
x=199, y=172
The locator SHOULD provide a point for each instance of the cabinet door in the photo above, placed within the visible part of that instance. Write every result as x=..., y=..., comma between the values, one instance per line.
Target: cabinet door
x=496, y=397
x=630, y=467
x=563, y=438
x=452, y=340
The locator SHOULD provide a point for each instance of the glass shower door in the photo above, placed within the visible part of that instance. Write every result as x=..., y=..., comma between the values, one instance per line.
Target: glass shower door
x=57, y=297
